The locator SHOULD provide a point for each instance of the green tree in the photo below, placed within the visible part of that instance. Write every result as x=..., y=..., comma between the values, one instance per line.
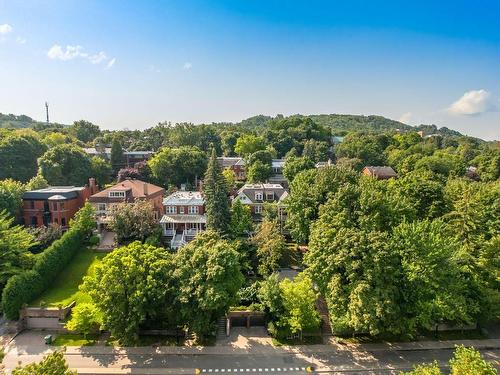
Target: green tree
x=258, y=172
x=230, y=178
x=469, y=361
x=18, y=157
x=368, y=147
x=271, y=246
x=65, y=165
x=315, y=150
x=308, y=191
x=216, y=197
x=133, y=221
x=117, y=158
x=209, y=276
x=11, y=193
x=15, y=243
x=295, y=165
x=176, y=166
x=85, y=318
x=85, y=131
x=248, y=144
x=271, y=297
x=53, y=364
x=488, y=164
x=241, y=219
x=37, y=182
x=427, y=369
x=84, y=220
x=132, y=286
x=299, y=299
x=101, y=170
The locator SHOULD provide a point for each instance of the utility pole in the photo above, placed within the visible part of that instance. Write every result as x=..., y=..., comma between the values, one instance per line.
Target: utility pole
x=47, y=111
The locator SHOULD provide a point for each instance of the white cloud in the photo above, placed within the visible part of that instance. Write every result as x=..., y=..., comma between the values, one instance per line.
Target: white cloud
x=57, y=52
x=473, y=102
x=21, y=40
x=187, y=65
x=5, y=29
x=406, y=117
x=111, y=63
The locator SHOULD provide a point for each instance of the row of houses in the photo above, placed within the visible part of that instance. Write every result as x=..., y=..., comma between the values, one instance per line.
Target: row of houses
x=180, y=214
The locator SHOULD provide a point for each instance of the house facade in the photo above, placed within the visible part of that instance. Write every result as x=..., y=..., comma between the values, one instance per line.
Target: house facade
x=277, y=176
x=55, y=204
x=184, y=217
x=236, y=164
x=130, y=157
x=255, y=195
x=127, y=191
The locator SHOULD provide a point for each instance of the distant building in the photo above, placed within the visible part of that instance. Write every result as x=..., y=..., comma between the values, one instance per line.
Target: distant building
x=236, y=164
x=184, y=217
x=55, y=204
x=322, y=164
x=337, y=139
x=381, y=173
x=131, y=157
x=255, y=195
x=277, y=176
x=127, y=191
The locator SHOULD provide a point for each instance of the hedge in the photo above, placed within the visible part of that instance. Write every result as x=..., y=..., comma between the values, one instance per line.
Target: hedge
x=28, y=285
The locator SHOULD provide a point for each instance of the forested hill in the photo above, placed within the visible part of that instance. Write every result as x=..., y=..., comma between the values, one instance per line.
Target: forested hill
x=341, y=124
x=11, y=121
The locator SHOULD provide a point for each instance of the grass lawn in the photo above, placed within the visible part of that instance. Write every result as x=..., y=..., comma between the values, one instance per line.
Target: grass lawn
x=151, y=340
x=64, y=290
x=70, y=339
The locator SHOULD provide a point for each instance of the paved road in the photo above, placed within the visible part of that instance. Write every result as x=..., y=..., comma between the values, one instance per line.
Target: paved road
x=337, y=361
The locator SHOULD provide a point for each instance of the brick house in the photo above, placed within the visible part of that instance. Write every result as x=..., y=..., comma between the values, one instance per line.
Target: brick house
x=55, y=204
x=184, y=217
x=380, y=173
x=255, y=195
x=126, y=191
x=236, y=164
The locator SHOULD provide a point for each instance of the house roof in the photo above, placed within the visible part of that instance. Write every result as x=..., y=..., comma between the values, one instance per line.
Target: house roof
x=136, y=188
x=229, y=161
x=278, y=163
x=381, y=171
x=107, y=151
x=66, y=192
x=184, y=198
x=201, y=219
x=247, y=194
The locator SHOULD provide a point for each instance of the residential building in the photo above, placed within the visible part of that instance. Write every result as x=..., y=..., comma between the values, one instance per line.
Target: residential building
x=277, y=176
x=381, y=173
x=127, y=191
x=130, y=157
x=184, y=217
x=55, y=204
x=236, y=164
x=255, y=195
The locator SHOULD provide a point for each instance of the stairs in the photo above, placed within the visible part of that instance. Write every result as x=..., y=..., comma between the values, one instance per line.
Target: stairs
x=326, y=328
x=177, y=241
x=221, y=327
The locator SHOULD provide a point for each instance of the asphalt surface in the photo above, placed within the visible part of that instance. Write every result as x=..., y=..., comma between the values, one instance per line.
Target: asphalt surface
x=343, y=361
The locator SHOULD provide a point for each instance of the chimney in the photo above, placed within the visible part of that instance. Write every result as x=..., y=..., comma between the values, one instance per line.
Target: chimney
x=145, y=189
x=92, y=186
x=183, y=187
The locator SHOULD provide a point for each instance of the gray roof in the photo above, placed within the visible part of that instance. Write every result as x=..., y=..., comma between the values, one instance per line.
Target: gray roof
x=229, y=161
x=184, y=198
x=382, y=171
x=248, y=191
x=66, y=192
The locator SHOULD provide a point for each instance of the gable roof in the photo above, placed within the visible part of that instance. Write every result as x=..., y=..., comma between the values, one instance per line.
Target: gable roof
x=381, y=171
x=229, y=161
x=135, y=187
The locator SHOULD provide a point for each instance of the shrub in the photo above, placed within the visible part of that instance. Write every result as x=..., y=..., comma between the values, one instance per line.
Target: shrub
x=20, y=289
x=94, y=240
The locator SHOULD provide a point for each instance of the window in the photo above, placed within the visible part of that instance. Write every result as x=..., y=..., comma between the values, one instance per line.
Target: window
x=63, y=222
x=101, y=206
x=270, y=196
x=32, y=205
x=258, y=209
x=258, y=196
x=193, y=209
x=54, y=206
x=171, y=210
x=155, y=213
x=181, y=209
x=61, y=206
x=116, y=194
x=34, y=220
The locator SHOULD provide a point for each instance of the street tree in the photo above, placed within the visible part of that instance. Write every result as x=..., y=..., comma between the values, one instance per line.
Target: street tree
x=53, y=364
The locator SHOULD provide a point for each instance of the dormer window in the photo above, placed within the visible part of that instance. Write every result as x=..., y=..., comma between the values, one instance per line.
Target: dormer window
x=116, y=194
x=270, y=196
x=258, y=196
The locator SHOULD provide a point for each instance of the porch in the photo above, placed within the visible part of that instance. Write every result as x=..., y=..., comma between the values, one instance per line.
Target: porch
x=181, y=229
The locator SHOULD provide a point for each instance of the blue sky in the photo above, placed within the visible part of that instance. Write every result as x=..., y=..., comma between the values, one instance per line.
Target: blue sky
x=124, y=64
